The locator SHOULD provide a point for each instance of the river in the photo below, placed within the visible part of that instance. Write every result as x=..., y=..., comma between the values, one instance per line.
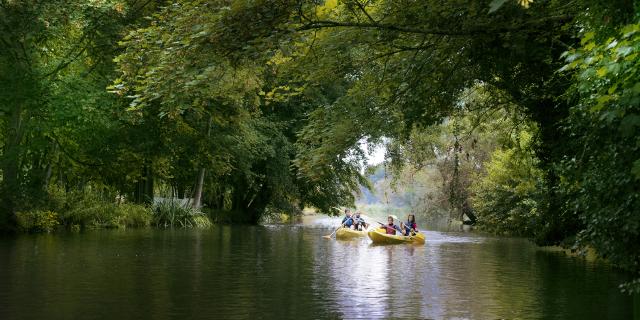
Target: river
x=290, y=271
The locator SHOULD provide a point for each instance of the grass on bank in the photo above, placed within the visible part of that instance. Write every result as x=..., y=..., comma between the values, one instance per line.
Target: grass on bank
x=76, y=210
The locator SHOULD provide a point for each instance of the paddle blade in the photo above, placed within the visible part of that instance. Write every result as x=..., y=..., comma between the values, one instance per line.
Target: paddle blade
x=327, y=236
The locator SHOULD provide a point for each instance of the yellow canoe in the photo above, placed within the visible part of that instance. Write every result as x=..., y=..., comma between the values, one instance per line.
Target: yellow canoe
x=346, y=234
x=379, y=236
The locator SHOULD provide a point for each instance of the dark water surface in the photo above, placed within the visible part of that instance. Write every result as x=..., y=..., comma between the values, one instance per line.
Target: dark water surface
x=285, y=272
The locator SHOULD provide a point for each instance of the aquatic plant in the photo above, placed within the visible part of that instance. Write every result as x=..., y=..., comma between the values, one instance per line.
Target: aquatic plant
x=176, y=214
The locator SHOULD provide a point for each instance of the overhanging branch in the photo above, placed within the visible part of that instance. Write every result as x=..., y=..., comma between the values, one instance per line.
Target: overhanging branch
x=321, y=24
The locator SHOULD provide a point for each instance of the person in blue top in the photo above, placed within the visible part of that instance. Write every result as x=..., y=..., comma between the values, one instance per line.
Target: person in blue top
x=347, y=221
x=410, y=227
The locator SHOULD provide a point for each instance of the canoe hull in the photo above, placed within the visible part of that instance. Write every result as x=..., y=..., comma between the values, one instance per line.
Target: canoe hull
x=346, y=234
x=378, y=236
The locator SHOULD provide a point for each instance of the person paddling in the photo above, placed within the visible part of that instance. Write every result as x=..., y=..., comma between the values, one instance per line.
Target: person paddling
x=390, y=227
x=358, y=222
x=410, y=227
x=347, y=221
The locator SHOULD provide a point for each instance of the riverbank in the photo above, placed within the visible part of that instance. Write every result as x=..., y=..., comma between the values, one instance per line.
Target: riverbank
x=588, y=254
x=74, y=211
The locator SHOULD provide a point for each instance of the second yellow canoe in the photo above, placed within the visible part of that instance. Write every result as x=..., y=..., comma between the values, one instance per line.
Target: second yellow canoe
x=379, y=236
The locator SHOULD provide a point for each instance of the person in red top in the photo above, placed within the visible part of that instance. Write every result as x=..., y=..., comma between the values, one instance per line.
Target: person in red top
x=410, y=227
x=391, y=227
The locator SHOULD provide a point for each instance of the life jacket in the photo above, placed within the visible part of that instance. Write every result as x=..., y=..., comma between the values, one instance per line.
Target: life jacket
x=413, y=226
x=390, y=229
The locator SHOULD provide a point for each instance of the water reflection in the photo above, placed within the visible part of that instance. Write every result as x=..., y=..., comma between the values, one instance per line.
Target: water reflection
x=278, y=272
x=467, y=277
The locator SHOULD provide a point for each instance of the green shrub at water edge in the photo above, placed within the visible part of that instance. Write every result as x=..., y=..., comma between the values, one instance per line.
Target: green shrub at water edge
x=89, y=208
x=133, y=215
x=201, y=221
x=109, y=215
x=37, y=221
x=95, y=215
x=174, y=214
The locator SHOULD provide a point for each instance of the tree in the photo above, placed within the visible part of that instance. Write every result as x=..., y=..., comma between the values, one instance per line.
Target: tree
x=55, y=62
x=507, y=196
x=251, y=138
x=600, y=180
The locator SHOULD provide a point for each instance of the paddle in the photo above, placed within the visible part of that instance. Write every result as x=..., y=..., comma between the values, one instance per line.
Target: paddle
x=334, y=231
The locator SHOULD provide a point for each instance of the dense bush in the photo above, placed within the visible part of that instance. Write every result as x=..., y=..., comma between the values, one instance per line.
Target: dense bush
x=599, y=176
x=133, y=215
x=91, y=210
x=82, y=209
x=507, y=196
x=601, y=181
x=37, y=221
x=78, y=209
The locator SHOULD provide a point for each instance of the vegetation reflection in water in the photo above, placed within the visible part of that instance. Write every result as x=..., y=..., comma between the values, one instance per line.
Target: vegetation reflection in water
x=290, y=271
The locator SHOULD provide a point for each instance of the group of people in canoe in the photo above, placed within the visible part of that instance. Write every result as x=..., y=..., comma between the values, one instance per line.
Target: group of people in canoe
x=406, y=228
x=356, y=222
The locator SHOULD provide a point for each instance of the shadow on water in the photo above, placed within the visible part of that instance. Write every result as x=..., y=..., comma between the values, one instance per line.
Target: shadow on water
x=289, y=271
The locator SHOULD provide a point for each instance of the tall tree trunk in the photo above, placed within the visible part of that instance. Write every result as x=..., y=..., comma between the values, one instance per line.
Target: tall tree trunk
x=197, y=198
x=49, y=170
x=181, y=190
x=144, y=188
x=10, y=187
x=148, y=184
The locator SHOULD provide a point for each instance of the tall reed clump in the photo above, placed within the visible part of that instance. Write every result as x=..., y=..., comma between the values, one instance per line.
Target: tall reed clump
x=170, y=214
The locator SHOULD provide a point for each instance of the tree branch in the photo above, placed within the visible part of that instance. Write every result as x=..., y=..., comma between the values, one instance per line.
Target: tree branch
x=362, y=8
x=74, y=159
x=63, y=64
x=319, y=24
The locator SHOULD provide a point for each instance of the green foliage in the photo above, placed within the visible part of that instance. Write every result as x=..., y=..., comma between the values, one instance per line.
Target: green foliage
x=37, y=221
x=435, y=168
x=91, y=209
x=601, y=179
x=507, y=196
x=272, y=100
x=241, y=89
x=224, y=106
x=88, y=209
x=56, y=118
x=496, y=4
x=176, y=214
x=133, y=215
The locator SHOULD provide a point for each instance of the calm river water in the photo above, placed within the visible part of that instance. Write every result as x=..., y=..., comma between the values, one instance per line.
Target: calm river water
x=286, y=272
